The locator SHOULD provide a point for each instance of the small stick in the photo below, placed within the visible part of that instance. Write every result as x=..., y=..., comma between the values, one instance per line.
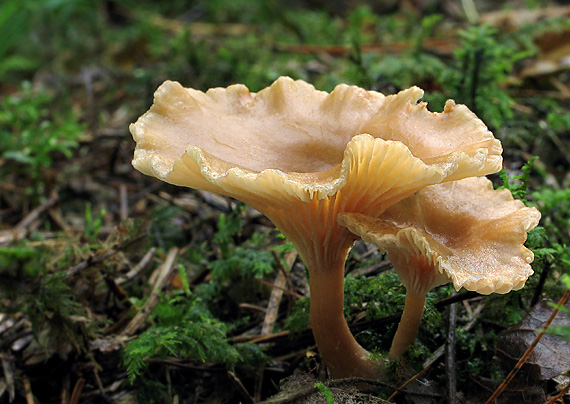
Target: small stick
x=164, y=274
x=55, y=215
x=273, y=305
x=20, y=230
x=65, y=389
x=168, y=382
x=279, y=287
x=35, y=213
x=290, y=258
x=92, y=260
x=244, y=393
x=403, y=386
x=137, y=268
x=117, y=290
x=276, y=293
x=268, y=337
x=103, y=394
x=9, y=374
x=99, y=384
x=28, y=390
x=77, y=391
x=450, y=356
x=529, y=350
x=259, y=338
x=124, y=202
x=249, y=306
x=562, y=392
x=259, y=384
x=440, y=351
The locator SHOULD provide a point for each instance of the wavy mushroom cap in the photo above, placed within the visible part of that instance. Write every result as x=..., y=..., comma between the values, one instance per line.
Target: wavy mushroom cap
x=462, y=231
x=292, y=142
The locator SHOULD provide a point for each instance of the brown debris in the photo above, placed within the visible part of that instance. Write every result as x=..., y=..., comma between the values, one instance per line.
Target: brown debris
x=164, y=275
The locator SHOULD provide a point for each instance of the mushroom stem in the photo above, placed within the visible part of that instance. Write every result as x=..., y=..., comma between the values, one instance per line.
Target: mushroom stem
x=337, y=346
x=409, y=323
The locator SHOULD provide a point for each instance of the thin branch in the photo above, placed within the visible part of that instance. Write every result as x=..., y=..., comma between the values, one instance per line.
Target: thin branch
x=124, y=210
x=561, y=394
x=89, y=262
x=132, y=274
x=9, y=377
x=28, y=390
x=407, y=383
x=77, y=390
x=279, y=287
x=450, y=356
x=165, y=273
x=438, y=353
x=241, y=388
x=276, y=293
x=21, y=229
x=34, y=214
x=529, y=351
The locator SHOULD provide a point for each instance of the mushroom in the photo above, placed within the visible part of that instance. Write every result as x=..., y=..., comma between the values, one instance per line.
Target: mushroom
x=301, y=156
x=462, y=231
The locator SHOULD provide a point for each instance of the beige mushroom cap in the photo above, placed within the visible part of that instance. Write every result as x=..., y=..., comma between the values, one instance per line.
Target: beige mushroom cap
x=463, y=231
x=290, y=141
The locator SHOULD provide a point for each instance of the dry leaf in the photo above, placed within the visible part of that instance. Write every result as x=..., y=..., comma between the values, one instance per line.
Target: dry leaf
x=551, y=356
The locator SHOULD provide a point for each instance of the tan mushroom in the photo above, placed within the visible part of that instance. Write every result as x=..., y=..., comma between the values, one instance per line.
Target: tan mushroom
x=462, y=232
x=302, y=156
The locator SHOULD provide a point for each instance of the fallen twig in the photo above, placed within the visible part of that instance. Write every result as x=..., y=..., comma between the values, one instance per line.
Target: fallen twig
x=28, y=390
x=77, y=391
x=279, y=287
x=241, y=388
x=124, y=201
x=165, y=273
x=450, y=356
x=438, y=353
x=34, y=214
x=9, y=377
x=562, y=392
x=276, y=293
x=529, y=351
x=132, y=274
x=407, y=383
x=253, y=339
x=21, y=229
x=92, y=260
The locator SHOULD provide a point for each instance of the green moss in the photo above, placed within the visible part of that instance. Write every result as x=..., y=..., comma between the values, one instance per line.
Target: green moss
x=32, y=137
x=183, y=328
